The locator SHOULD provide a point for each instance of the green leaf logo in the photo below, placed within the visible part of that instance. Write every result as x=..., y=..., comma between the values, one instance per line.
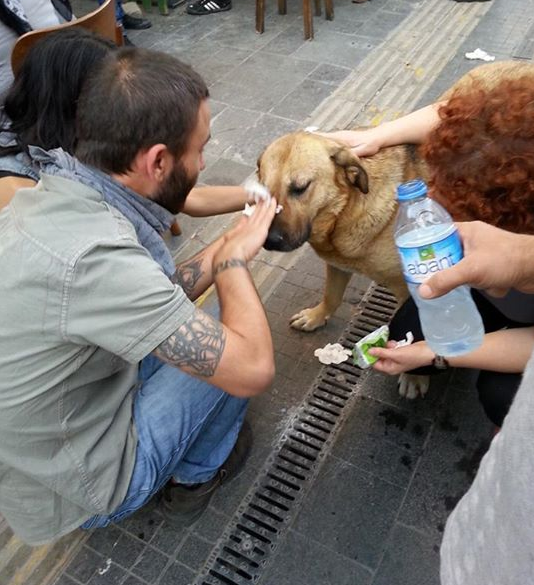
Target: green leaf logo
x=426, y=254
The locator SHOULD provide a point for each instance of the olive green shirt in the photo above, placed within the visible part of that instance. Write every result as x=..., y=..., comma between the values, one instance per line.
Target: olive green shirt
x=82, y=302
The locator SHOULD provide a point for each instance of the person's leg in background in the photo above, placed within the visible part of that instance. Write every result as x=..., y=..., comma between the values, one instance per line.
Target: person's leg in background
x=128, y=21
x=188, y=435
x=496, y=391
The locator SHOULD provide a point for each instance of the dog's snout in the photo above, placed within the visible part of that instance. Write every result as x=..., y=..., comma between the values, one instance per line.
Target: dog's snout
x=280, y=240
x=275, y=240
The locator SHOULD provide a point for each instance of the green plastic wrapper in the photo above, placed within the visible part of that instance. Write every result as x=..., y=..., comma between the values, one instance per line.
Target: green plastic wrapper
x=360, y=352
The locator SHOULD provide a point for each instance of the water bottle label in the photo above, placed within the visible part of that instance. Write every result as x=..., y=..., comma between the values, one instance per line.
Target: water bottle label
x=420, y=262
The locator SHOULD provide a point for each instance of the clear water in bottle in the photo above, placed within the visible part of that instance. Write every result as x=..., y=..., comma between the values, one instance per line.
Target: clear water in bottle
x=427, y=241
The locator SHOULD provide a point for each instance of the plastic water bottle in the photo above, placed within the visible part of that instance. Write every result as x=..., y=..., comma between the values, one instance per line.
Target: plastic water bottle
x=427, y=241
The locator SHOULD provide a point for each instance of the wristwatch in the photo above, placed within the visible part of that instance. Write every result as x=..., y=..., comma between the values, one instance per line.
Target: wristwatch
x=440, y=363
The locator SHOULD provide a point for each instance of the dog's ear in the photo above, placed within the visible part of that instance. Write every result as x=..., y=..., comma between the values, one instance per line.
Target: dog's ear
x=258, y=163
x=354, y=171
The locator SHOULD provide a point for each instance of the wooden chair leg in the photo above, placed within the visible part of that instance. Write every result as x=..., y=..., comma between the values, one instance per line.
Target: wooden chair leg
x=329, y=9
x=260, y=16
x=317, y=7
x=308, y=19
x=119, y=35
x=282, y=7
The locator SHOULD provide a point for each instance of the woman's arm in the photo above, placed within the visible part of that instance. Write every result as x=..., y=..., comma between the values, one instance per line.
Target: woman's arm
x=215, y=200
x=507, y=350
x=410, y=129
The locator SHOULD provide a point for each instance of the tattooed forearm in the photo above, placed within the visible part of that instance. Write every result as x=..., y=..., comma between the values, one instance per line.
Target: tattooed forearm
x=188, y=274
x=196, y=346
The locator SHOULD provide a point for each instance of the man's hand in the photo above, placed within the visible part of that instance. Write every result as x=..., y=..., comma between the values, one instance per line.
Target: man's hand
x=394, y=361
x=245, y=240
x=494, y=260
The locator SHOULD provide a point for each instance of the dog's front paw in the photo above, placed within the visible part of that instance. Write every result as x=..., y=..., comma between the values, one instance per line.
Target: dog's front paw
x=308, y=319
x=412, y=386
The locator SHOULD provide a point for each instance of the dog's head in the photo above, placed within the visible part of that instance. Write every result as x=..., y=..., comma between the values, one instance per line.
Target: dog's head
x=311, y=177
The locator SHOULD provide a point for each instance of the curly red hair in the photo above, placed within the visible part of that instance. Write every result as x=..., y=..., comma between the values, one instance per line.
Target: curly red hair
x=481, y=155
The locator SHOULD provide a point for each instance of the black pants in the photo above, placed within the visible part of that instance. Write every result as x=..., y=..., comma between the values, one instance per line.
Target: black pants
x=495, y=390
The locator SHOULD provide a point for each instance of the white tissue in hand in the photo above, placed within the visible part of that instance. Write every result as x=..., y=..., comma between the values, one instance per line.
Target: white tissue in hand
x=407, y=341
x=249, y=209
x=256, y=190
x=259, y=193
x=332, y=353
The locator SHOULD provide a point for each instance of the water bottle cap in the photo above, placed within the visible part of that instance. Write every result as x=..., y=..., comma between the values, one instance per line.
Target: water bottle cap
x=411, y=190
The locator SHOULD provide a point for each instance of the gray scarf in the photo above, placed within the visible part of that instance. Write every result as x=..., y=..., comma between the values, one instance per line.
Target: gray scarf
x=148, y=218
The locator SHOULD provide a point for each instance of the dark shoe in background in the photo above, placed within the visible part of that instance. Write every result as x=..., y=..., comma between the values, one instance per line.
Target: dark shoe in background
x=135, y=22
x=182, y=505
x=201, y=7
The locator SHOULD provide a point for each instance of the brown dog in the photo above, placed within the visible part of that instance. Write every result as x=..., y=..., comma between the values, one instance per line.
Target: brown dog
x=343, y=206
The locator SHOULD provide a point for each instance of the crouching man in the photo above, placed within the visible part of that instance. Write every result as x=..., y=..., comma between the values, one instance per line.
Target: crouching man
x=113, y=385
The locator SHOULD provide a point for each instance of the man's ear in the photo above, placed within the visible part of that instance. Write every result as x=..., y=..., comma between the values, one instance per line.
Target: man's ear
x=157, y=161
x=350, y=163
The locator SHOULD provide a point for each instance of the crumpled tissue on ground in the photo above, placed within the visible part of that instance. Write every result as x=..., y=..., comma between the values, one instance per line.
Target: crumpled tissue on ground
x=332, y=353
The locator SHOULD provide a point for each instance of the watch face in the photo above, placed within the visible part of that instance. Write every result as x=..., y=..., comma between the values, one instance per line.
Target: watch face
x=440, y=362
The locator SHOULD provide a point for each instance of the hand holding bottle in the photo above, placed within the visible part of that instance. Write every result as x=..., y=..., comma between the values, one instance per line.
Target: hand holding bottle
x=428, y=243
x=495, y=260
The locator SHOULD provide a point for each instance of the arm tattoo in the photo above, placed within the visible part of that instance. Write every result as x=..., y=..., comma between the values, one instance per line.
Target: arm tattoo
x=188, y=274
x=196, y=346
x=230, y=263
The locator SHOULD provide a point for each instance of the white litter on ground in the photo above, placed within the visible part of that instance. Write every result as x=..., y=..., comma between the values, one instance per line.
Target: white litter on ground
x=480, y=55
x=311, y=129
x=332, y=353
x=105, y=569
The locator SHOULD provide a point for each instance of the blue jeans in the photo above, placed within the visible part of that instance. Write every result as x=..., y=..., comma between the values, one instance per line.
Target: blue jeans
x=186, y=429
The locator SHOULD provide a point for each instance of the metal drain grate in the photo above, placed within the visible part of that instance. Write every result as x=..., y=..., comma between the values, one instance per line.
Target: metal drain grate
x=245, y=548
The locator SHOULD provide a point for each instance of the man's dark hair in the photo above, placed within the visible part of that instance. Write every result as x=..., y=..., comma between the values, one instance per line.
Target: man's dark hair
x=136, y=99
x=40, y=106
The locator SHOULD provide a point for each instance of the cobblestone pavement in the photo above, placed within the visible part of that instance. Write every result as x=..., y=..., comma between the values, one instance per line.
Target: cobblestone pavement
x=370, y=509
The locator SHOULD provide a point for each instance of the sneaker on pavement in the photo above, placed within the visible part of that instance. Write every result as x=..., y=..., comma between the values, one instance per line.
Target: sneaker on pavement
x=183, y=505
x=200, y=7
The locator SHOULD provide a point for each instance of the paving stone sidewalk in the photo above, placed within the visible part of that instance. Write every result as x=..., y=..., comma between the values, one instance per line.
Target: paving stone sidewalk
x=374, y=510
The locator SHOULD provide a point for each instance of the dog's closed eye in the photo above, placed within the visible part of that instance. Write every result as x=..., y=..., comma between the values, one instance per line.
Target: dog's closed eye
x=296, y=190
